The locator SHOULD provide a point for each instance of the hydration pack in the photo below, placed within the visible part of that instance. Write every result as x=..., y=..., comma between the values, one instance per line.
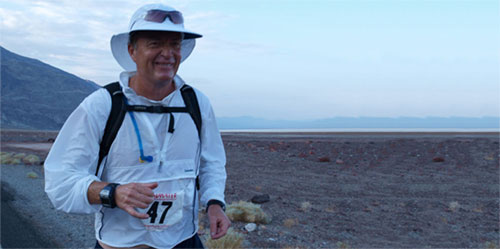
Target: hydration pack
x=119, y=108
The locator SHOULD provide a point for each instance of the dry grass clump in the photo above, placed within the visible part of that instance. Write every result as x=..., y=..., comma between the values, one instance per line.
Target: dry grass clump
x=19, y=155
x=290, y=222
x=201, y=221
x=31, y=159
x=17, y=158
x=305, y=206
x=453, y=206
x=247, y=212
x=343, y=245
x=491, y=245
x=231, y=240
x=9, y=158
x=32, y=175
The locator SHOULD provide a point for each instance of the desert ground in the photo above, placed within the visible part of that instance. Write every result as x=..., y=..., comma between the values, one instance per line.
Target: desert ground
x=332, y=190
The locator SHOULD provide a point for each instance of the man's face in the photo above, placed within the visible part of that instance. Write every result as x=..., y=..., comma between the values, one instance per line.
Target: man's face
x=157, y=55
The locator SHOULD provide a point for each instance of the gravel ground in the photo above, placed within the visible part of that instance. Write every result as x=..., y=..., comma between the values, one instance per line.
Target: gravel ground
x=374, y=191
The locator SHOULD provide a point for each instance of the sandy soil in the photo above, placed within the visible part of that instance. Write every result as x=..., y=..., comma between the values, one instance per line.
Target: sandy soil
x=366, y=190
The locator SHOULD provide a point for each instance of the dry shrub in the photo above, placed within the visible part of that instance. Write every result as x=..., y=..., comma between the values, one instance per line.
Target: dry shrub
x=31, y=159
x=3, y=153
x=453, y=206
x=247, y=212
x=201, y=219
x=343, y=245
x=32, y=175
x=10, y=158
x=19, y=155
x=330, y=209
x=17, y=158
x=232, y=239
x=491, y=245
x=5, y=157
x=305, y=206
x=290, y=222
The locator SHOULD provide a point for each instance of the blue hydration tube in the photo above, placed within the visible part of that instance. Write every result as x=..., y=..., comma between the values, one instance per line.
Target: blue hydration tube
x=142, y=157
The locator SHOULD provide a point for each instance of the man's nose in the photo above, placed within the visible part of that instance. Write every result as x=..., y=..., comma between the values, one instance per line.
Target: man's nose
x=166, y=51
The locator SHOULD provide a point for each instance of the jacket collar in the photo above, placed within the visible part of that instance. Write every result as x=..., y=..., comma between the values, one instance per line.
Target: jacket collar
x=141, y=100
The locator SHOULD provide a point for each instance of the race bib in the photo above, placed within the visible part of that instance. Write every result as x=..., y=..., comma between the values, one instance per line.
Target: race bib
x=164, y=211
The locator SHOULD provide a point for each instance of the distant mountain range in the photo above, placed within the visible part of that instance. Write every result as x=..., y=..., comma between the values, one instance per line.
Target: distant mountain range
x=362, y=122
x=35, y=95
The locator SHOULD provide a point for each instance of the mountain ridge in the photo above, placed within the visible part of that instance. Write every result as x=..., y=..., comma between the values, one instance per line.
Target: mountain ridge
x=36, y=95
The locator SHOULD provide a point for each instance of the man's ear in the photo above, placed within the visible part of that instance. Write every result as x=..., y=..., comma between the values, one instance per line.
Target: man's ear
x=131, y=51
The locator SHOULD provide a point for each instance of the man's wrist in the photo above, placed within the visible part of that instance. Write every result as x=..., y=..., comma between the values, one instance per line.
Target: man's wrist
x=216, y=202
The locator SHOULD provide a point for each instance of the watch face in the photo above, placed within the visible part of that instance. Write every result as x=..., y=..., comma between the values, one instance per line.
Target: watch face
x=104, y=194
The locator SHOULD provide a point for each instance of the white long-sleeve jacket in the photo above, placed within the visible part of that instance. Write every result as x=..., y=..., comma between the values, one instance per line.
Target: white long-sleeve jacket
x=178, y=158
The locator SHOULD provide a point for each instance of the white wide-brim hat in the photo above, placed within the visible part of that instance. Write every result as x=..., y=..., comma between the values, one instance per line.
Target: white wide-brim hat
x=119, y=42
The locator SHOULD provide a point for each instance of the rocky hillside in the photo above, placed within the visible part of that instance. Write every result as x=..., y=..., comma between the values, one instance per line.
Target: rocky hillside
x=35, y=95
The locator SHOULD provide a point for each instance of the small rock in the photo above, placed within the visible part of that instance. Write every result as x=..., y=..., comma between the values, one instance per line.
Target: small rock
x=339, y=161
x=302, y=155
x=438, y=159
x=259, y=199
x=324, y=159
x=250, y=227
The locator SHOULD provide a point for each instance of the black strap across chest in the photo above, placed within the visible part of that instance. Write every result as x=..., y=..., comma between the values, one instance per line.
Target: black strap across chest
x=119, y=108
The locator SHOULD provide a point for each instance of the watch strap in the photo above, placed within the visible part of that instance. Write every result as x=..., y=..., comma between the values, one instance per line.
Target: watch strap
x=109, y=199
x=220, y=203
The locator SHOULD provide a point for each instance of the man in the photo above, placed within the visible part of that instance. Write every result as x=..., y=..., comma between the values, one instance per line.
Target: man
x=144, y=194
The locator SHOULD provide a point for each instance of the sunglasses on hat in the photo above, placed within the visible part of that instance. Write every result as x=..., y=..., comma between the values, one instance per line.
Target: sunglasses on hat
x=159, y=16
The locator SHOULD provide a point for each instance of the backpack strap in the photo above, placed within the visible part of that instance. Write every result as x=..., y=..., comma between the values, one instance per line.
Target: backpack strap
x=114, y=122
x=191, y=102
x=189, y=97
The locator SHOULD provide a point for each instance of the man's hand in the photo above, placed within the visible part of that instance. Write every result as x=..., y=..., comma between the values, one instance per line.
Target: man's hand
x=219, y=223
x=135, y=195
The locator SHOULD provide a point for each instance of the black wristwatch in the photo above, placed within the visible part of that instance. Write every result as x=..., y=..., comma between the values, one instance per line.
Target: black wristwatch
x=220, y=203
x=107, y=195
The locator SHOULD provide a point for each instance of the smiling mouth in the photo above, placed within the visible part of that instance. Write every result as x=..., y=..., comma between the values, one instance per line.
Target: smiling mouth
x=164, y=64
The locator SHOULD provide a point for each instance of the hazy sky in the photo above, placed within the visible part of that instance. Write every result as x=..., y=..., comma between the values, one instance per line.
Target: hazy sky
x=294, y=59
